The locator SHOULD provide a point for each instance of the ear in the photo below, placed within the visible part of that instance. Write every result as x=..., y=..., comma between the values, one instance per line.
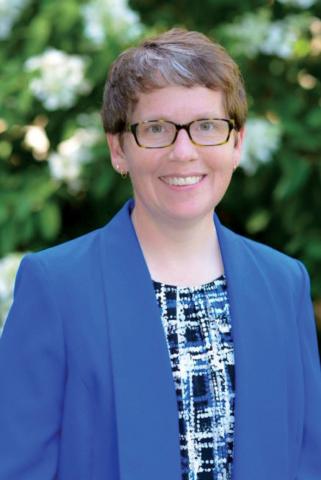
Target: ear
x=238, y=143
x=117, y=154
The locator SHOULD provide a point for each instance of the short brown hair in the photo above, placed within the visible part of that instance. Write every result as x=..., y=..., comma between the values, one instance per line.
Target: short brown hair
x=176, y=57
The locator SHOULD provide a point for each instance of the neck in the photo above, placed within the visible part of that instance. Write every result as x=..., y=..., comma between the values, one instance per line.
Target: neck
x=180, y=253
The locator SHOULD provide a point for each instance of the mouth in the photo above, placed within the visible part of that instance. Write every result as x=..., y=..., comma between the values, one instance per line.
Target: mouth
x=183, y=181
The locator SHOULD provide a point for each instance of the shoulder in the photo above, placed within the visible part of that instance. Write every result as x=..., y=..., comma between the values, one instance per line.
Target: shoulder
x=78, y=258
x=275, y=258
x=68, y=253
x=278, y=267
x=63, y=266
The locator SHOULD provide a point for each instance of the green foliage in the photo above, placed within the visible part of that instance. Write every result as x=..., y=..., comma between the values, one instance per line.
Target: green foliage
x=35, y=205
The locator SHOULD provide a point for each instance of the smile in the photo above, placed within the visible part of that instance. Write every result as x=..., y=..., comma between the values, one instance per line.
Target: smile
x=181, y=181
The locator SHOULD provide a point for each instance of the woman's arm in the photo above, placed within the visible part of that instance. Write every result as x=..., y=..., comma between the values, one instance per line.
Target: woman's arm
x=310, y=461
x=32, y=375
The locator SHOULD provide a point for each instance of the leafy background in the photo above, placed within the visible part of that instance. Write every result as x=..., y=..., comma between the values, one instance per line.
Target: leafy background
x=56, y=181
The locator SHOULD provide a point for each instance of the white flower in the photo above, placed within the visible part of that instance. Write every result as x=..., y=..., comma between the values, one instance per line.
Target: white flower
x=283, y=35
x=262, y=140
x=66, y=163
x=36, y=139
x=10, y=10
x=280, y=40
x=255, y=33
x=299, y=3
x=114, y=16
x=8, y=269
x=248, y=33
x=60, y=77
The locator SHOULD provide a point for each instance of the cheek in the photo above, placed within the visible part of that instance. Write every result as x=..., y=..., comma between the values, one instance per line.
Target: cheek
x=221, y=184
x=141, y=174
x=222, y=171
x=221, y=165
x=144, y=165
x=140, y=171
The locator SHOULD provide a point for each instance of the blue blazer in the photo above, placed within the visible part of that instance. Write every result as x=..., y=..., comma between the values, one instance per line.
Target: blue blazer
x=86, y=387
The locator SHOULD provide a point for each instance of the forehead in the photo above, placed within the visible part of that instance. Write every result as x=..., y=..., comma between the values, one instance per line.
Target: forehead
x=179, y=104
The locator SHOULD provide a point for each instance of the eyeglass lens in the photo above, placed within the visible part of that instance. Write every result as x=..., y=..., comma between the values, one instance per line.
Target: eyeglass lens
x=203, y=132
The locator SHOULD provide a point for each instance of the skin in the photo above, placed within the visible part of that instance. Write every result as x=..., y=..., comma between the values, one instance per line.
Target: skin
x=175, y=223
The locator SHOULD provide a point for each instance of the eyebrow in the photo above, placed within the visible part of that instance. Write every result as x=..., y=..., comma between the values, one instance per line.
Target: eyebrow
x=165, y=118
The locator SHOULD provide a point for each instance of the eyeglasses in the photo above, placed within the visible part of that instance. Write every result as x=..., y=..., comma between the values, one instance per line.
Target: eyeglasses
x=206, y=132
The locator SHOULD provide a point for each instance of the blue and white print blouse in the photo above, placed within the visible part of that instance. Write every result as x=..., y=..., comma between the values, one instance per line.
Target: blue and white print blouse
x=197, y=326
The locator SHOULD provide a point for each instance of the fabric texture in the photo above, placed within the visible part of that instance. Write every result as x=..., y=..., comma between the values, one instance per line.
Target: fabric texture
x=197, y=326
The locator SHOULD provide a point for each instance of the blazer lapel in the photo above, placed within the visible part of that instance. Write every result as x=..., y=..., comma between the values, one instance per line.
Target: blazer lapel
x=260, y=404
x=145, y=398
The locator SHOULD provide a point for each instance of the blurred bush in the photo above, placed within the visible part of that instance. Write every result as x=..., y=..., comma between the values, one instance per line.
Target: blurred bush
x=56, y=181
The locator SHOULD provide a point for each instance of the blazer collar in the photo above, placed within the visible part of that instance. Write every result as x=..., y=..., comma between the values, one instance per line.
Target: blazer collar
x=145, y=398
x=260, y=395
x=146, y=406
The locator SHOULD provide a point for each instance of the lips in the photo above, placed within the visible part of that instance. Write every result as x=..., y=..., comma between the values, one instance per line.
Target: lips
x=179, y=180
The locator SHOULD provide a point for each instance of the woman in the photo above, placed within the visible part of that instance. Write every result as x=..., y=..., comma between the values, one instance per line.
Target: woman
x=163, y=345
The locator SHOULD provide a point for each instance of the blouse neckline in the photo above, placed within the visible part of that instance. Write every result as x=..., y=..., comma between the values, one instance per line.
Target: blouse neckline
x=193, y=288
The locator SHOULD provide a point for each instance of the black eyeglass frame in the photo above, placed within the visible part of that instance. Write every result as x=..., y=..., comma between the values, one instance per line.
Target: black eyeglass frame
x=133, y=129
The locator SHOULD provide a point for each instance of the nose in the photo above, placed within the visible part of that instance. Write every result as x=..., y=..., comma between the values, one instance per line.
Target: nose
x=183, y=149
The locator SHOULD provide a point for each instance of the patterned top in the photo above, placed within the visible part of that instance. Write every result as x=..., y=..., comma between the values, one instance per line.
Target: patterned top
x=197, y=325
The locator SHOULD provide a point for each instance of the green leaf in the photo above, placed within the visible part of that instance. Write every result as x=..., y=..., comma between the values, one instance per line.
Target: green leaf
x=258, y=221
x=313, y=249
x=49, y=219
x=292, y=181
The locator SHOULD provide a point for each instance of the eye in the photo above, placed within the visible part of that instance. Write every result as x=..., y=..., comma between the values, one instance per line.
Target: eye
x=206, y=125
x=154, y=128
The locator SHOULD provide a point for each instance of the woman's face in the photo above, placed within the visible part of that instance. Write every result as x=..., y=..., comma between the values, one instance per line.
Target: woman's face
x=152, y=170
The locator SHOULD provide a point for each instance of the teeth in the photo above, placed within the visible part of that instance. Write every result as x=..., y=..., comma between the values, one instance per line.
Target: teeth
x=182, y=180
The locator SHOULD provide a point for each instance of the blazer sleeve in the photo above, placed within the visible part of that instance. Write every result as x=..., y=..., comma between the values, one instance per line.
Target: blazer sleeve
x=310, y=458
x=32, y=373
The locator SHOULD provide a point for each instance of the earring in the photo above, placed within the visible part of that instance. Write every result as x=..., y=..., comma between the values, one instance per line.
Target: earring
x=123, y=174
